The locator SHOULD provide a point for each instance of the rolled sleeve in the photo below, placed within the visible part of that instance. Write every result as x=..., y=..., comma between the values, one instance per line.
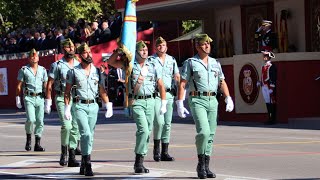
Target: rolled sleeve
x=221, y=75
x=20, y=75
x=53, y=71
x=70, y=76
x=185, y=73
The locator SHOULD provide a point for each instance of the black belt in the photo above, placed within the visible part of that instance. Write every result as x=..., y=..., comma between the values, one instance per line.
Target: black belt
x=168, y=90
x=33, y=94
x=198, y=93
x=143, y=97
x=84, y=101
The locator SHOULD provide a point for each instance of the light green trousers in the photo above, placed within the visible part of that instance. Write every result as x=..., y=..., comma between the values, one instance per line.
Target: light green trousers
x=143, y=115
x=86, y=115
x=204, y=112
x=162, y=123
x=69, y=133
x=34, y=106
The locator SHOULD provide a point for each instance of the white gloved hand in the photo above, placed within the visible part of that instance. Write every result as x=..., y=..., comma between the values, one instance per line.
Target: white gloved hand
x=18, y=102
x=67, y=112
x=144, y=71
x=182, y=111
x=229, y=103
x=270, y=91
x=47, y=106
x=258, y=83
x=109, y=112
x=163, y=108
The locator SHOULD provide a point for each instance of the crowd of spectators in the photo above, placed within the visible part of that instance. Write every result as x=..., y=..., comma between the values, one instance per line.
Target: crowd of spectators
x=93, y=33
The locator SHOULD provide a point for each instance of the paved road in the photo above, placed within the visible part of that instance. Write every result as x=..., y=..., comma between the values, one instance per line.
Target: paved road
x=242, y=151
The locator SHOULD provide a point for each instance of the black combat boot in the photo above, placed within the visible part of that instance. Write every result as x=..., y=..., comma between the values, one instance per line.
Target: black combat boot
x=201, y=171
x=72, y=162
x=156, y=150
x=138, y=165
x=82, y=166
x=28, y=143
x=87, y=163
x=164, y=153
x=209, y=173
x=37, y=146
x=63, y=156
x=78, y=151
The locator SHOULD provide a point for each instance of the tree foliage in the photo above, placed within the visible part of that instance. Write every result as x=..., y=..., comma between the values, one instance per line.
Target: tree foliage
x=32, y=13
x=190, y=25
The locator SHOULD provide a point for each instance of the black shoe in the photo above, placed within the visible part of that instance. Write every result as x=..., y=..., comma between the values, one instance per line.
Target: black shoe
x=28, y=143
x=78, y=151
x=37, y=146
x=156, y=150
x=87, y=163
x=209, y=173
x=201, y=171
x=63, y=156
x=72, y=162
x=138, y=165
x=164, y=153
x=82, y=166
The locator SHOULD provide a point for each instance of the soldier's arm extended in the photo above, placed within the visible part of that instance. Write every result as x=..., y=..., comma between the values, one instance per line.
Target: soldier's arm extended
x=49, y=88
x=18, y=88
x=112, y=61
x=67, y=94
x=224, y=88
x=103, y=94
x=181, y=89
x=161, y=89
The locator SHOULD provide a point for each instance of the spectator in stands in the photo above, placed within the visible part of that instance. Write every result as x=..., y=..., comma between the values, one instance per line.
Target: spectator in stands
x=51, y=41
x=30, y=42
x=43, y=41
x=79, y=27
x=37, y=39
x=94, y=39
x=116, y=25
x=21, y=40
x=105, y=34
x=71, y=34
x=59, y=39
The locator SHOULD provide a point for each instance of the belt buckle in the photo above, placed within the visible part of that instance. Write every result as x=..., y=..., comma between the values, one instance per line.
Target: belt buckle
x=87, y=101
x=33, y=94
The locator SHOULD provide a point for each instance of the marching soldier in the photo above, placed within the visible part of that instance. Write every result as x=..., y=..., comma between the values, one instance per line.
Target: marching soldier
x=69, y=133
x=162, y=123
x=268, y=85
x=266, y=38
x=33, y=79
x=145, y=75
x=89, y=83
x=204, y=74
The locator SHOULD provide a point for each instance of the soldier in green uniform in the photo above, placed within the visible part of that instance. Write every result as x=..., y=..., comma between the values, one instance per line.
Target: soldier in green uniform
x=162, y=123
x=204, y=74
x=32, y=80
x=144, y=78
x=89, y=83
x=69, y=133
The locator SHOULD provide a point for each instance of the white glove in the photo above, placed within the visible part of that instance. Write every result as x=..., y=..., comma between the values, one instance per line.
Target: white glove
x=47, y=106
x=258, y=83
x=163, y=108
x=67, y=113
x=270, y=91
x=144, y=71
x=18, y=102
x=229, y=103
x=109, y=112
x=182, y=111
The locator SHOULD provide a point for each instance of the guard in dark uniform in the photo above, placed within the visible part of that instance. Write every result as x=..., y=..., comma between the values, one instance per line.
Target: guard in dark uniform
x=268, y=85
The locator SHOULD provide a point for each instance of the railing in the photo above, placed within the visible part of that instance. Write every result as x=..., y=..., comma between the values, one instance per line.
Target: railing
x=23, y=55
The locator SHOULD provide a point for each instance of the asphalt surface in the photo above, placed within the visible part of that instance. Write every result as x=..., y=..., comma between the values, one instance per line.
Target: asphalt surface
x=242, y=151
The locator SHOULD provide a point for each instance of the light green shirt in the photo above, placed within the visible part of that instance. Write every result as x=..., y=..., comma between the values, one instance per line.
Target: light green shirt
x=150, y=80
x=87, y=86
x=58, y=72
x=168, y=69
x=207, y=78
x=33, y=82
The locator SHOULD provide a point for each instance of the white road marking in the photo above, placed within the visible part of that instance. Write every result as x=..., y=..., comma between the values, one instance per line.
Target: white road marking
x=70, y=172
